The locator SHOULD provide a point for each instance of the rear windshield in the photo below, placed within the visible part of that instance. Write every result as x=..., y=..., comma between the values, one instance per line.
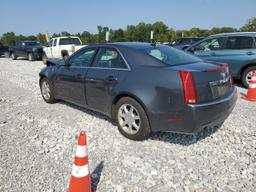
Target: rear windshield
x=170, y=56
x=69, y=41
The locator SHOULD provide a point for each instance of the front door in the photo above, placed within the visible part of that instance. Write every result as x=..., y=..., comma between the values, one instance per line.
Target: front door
x=69, y=81
x=210, y=49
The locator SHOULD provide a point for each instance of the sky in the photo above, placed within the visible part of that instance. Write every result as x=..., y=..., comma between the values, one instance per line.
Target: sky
x=29, y=17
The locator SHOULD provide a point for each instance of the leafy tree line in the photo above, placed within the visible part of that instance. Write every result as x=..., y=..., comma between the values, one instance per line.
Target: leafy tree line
x=139, y=32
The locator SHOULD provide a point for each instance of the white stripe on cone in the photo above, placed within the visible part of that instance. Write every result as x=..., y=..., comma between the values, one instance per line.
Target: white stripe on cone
x=80, y=171
x=81, y=151
x=252, y=85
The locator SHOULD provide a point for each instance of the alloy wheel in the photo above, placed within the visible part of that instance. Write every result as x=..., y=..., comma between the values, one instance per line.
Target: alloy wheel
x=46, y=90
x=129, y=119
x=248, y=77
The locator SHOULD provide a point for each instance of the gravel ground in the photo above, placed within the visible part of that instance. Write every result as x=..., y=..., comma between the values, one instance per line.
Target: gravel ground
x=38, y=141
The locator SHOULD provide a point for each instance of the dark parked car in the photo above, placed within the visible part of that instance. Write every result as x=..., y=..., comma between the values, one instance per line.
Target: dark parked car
x=31, y=50
x=185, y=42
x=3, y=49
x=144, y=87
x=237, y=49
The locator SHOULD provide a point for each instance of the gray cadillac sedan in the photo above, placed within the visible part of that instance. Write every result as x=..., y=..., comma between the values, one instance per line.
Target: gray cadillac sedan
x=144, y=87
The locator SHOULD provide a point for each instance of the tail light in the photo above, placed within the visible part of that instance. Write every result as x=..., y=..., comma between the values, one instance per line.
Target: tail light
x=189, y=88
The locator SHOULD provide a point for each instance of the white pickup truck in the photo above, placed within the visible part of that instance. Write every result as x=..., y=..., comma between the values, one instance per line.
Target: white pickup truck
x=61, y=47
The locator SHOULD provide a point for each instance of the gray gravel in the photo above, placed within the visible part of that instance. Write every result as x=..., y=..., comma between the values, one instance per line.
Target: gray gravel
x=38, y=141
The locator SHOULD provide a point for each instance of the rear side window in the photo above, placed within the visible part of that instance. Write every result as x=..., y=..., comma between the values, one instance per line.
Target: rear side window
x=240, y=42
x=109, y=58
x=170, y=56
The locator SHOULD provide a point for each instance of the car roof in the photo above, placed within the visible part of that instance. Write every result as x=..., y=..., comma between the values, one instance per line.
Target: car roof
x=133, y=45
x=65, y=37
x=234, y=34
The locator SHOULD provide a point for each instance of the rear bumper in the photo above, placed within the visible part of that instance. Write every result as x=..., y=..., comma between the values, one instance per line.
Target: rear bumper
x=194, y=118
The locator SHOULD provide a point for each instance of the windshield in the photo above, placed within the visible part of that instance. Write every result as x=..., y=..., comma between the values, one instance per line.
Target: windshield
x=170, y=56
x=69, y=41
x=33, y=43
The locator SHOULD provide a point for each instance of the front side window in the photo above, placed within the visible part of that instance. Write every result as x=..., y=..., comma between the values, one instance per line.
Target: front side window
x=239, y=42
x=109, y=58
x=82, y=58
x=69, y=41
x=51, y=43
x=170, y=56
x=54, y=42
x=211, y=44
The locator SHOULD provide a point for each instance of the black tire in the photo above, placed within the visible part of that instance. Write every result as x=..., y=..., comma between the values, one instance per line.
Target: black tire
x=31, y=57
x=51, y=98
x=44, y=58
x=244, y=75
x=13, y=56
x=144, y=128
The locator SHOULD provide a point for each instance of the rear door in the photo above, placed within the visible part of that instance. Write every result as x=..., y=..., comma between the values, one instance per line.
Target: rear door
x=238, y=52
x=104, y=77
x=69, y=81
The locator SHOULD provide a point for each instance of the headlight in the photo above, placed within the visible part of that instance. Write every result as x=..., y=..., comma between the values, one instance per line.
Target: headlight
x=34, y=49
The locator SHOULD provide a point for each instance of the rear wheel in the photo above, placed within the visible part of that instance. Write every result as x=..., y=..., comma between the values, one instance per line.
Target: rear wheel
x=47, y=91
x=13, y=56
x=131, y=119
x=247, y=76
x=30, y=57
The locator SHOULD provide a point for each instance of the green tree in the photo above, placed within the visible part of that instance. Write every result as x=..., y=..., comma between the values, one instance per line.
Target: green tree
x=41, y=38
x=8, y=38
x=142, y=32
x=160, y=32
x=117, y=35
x=130, y=33
x=86, y=37
x=101, y=37
x=65, y=33
x=250, y=25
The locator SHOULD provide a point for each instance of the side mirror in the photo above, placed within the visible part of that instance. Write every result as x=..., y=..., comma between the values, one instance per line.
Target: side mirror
x=191, y=49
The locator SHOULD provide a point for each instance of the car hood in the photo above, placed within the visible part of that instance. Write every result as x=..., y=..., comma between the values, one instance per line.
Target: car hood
x=51, y=62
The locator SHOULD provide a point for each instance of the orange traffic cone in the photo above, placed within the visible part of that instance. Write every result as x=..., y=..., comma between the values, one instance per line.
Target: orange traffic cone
x=80, y=178
x=251, y=93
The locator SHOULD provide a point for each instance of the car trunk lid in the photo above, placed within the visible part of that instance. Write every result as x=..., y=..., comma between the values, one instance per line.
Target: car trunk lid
x=211, y=80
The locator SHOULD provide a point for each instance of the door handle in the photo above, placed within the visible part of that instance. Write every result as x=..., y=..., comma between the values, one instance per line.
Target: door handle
x=250, y=53
x=213, y=54
x=111, y=78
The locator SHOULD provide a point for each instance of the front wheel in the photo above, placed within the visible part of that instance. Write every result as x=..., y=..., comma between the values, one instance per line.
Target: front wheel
x=13, y=56
x=30, y=57
x=44, y=59
x=47, y=91
x=131, y=119
x=247, y=76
